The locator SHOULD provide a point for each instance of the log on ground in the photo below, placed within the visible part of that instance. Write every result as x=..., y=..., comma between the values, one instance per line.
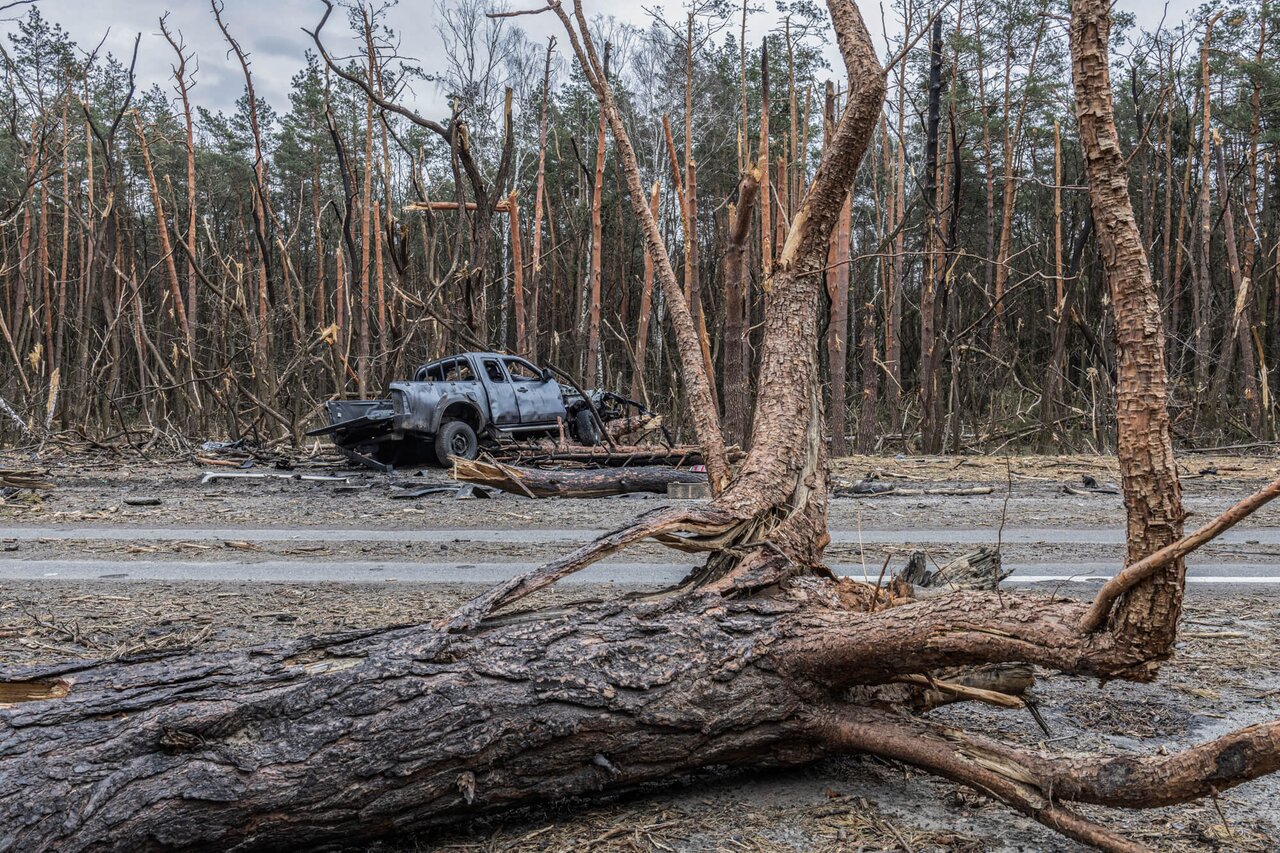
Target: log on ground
x=570, y=482
x=679, y=456
x=325, y=743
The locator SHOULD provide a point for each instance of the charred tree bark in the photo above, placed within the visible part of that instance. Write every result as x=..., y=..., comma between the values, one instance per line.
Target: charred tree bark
x=931, y=298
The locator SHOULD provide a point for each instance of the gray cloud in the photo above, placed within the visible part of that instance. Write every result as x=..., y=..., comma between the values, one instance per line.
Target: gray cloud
x=271, y=31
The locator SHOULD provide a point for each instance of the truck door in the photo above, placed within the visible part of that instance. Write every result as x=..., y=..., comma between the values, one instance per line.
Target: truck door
x=502, y=397
x=538, y=398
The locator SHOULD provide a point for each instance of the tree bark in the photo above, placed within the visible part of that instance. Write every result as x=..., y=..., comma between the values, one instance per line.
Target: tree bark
x=1148, y=615
x=638, y=389
x=1237, y=329
x=571, y=483
x=736, y=299
x=351, y=738
x=1200, y=292
x=1055, y=375
x=591, y=370
x=932, y=280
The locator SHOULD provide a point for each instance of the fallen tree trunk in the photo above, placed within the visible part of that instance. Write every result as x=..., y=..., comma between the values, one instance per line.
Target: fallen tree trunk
x=633, y=427
x=339, y=742
x=569, y=482
x=346, y=739
x=680, y=455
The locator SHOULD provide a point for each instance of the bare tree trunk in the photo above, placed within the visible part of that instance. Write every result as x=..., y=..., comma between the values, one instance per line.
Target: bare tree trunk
x=766, y=196
x=1012, y=140
x=736, y=297
x=893, y=295
x=1201, y=293
x=517, y=275
x=538, y=193
x=1148, y=615
x=1054, y=378
x=838, y=295
x=363, y=353
x=1167, y=238
x=591, y=370
x=1236, y=331
x=638, y=388
x=931, y=299
x=262, y=217
x=838, y=327
x=380, y=294
x=180, y=76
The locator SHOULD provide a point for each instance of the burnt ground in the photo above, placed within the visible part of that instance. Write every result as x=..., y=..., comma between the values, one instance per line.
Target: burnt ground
x=1226, y=673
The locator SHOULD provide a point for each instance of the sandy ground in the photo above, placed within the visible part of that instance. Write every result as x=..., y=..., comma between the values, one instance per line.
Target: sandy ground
x=1226, y=673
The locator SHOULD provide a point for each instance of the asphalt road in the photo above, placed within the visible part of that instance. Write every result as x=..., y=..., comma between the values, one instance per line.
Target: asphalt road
x=901, y=536
x=1202, y=571
x=364, y=571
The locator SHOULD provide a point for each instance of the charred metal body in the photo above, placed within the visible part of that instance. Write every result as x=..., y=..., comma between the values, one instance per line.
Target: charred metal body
x=456, y=405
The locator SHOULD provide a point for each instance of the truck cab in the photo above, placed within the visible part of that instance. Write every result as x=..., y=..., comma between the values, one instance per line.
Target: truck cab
x=448, y=408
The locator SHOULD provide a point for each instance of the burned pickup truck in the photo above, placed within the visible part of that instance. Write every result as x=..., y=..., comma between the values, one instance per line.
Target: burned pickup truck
x=454, y=406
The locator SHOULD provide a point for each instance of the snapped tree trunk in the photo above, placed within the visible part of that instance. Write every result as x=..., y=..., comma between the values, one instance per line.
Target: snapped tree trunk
x=931, y=297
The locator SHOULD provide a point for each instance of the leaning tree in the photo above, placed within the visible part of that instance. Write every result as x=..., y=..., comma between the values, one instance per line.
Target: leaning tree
x=760, y=657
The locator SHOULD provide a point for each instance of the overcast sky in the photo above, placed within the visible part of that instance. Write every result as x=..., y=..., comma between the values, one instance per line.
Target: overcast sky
x=271, y=30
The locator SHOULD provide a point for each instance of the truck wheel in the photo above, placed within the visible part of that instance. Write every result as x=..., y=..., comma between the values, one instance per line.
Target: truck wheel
x=456, y=438
x=585, y=425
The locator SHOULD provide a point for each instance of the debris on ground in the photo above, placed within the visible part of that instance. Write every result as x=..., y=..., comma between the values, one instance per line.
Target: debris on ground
x=870, y=486
x=240, y=453
x=18, y=478
x=565, y=482
x=211, y=476
x=462, y=492
x=14, y=481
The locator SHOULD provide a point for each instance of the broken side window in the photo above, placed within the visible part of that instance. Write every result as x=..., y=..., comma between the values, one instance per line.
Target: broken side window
x=523, y=371
x=457, y=370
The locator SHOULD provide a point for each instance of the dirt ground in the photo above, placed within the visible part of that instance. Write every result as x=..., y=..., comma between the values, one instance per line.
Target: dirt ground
x=1226, y=673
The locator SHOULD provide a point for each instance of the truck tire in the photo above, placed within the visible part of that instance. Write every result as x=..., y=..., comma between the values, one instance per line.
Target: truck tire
x=456, y=438
x=584, y=424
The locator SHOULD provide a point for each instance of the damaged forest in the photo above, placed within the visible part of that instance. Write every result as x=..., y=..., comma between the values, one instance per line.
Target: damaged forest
x=566, y=425
x=174, y=272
